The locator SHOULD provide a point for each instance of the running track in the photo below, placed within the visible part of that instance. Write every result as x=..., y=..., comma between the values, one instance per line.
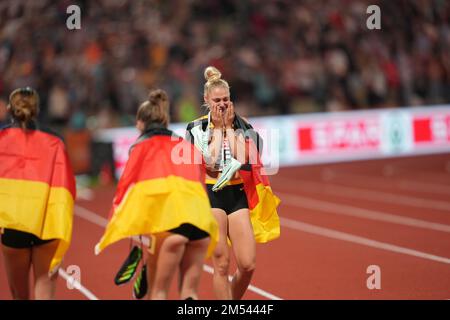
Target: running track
x=336, y=220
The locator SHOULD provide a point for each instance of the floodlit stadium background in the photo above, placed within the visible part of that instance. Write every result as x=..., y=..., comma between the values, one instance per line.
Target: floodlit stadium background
x=358, y=120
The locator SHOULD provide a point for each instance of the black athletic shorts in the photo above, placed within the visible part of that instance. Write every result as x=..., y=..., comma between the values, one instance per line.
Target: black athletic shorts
x=190, y=231
x=230, y=199
x=20, y=240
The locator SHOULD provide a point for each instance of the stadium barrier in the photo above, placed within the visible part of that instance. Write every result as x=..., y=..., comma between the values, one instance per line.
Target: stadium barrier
x=328, y=137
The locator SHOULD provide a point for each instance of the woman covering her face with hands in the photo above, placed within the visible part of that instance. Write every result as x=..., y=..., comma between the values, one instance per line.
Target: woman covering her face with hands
x=224, y=139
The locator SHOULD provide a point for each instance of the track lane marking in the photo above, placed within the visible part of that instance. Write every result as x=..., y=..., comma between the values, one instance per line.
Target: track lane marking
x=339, y=235
x=371, y=195
x=77, y=285
x=102, y=222
x=342, y=209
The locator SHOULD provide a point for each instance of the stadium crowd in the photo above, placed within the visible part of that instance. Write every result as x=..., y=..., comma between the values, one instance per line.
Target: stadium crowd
x=279, y=56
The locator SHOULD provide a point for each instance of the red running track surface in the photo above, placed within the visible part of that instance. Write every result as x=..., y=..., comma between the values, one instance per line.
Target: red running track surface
x=336, y=221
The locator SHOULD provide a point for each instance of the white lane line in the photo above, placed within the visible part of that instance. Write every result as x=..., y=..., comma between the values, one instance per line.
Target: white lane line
x=424, y=187
x=399, y=183
x=85, y=194
x=102, y=222
x=436, y=176
x=334, y=208
x=396, y=168
x=371, y=195
x=261, y=292
x=77, y=285
x=90, y=216
x=330, y=233
x=83, y=191
x=391, y=198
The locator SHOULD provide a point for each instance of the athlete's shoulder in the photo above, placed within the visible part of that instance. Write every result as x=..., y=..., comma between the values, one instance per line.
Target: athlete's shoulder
x=199, y=121
x=147, y=138
x=242, y=123
x=245, y=119
x=50, y=132
x=202, y=117
x=33, y=126
x=5, y=126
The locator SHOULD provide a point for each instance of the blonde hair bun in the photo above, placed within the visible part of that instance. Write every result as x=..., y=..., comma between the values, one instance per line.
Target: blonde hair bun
x=212, y=74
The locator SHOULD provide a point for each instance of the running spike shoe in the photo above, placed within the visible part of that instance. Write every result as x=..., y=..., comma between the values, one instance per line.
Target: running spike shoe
x=129, y=267
x=140, y=285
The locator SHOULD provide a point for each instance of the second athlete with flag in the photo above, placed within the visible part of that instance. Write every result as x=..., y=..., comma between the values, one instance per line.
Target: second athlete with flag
x=166, y=199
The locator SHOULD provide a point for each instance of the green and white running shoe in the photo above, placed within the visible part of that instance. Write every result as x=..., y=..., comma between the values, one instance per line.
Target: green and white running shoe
x=129, y=267
x=227, y=173
x=140, y=285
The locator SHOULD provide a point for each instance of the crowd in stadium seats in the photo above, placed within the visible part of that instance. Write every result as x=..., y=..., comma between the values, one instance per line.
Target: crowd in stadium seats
x=279, y=56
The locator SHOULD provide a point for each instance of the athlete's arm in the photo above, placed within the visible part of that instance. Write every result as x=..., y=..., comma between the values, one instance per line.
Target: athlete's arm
x=215, y=145
x=237, y=141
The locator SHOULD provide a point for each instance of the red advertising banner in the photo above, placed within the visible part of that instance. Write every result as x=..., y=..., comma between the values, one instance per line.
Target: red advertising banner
x=339, y=136
x=431, y=129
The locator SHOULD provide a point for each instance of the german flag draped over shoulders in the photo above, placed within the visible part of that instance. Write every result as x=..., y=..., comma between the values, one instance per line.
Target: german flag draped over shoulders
x=262, y=202
x=37, y=186
x=157, y=192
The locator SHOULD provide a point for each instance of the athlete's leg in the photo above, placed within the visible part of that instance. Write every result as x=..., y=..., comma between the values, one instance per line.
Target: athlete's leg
x=44, y=285
x=191, y=267
x=168, y=257
x=221, y=258
x=17, y=266
x=244, y=248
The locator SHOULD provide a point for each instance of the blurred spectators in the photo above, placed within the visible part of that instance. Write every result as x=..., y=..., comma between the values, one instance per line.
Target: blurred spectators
x=279, y=56
x=3, y=113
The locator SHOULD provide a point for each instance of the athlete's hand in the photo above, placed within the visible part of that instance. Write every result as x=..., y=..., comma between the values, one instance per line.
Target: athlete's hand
x=228, y=117
x=217, y=116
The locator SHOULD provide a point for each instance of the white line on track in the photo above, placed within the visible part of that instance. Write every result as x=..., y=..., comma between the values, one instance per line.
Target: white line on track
x=90, y=216
x=263, y=293
x=440, y=177
x=371, y=195
x=77, y=285
x=334, y=208
x=423, y=187
x=399, y=183
x=330, y=233
x=102, y=222
x=85, y=194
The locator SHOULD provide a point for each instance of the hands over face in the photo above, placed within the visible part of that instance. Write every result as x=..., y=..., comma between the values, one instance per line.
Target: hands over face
x=222, y=114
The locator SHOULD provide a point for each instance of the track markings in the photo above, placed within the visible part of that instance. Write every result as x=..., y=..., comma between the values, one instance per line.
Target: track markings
x=399, y=183
x=371, y=195
x=331, y=233
x=102, y=222
x=259, y=291
x=77, y=285
x=334, y=208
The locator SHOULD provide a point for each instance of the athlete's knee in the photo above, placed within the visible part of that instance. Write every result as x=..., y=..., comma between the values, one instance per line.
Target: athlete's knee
x=221, y=263
x=221, y=268
x=247, y=266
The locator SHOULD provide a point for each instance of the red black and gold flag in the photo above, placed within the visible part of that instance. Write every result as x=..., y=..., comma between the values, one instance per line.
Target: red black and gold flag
x=262, y=202
x=37, y=186
x=160, y=189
